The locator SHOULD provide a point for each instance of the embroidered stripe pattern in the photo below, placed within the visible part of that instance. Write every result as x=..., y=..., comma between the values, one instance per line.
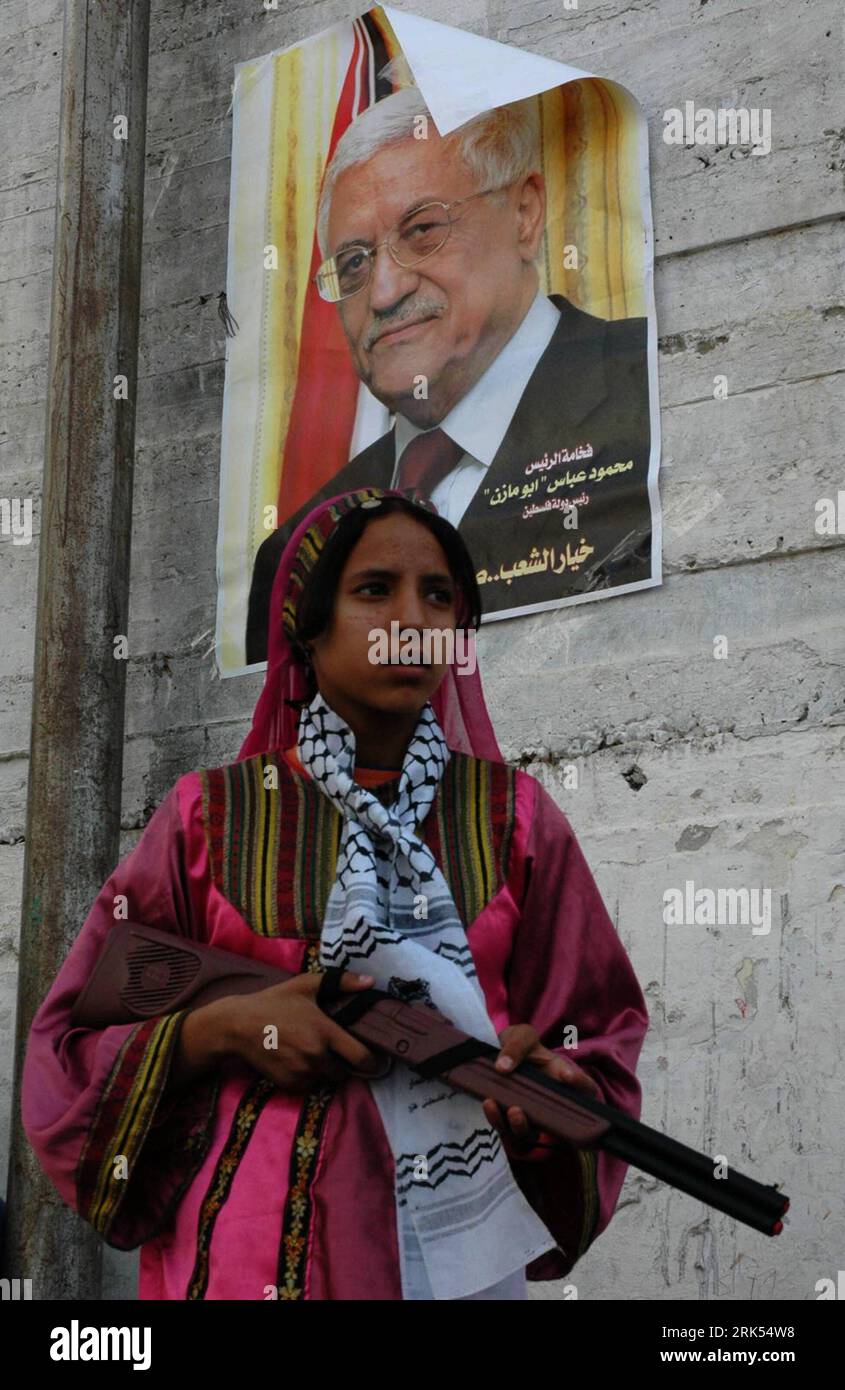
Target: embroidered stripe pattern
x=240, y=824
x=314, y=539
x=273, y=849
x=124, y=1114
x=296, y=1223
x=311, y=828
x=474, y=830
x=587, y=1162
x=245, y=1119
x=305, y=1153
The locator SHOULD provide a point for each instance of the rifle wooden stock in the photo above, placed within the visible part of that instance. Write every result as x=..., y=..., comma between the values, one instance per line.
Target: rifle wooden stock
x=143, y=972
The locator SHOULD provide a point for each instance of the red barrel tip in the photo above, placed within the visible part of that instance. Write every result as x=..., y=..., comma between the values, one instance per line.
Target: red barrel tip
x=778, y=1227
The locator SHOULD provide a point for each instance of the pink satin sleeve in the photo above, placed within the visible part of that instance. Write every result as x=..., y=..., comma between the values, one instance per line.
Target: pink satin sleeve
x=118, y=1149
x=569, y=967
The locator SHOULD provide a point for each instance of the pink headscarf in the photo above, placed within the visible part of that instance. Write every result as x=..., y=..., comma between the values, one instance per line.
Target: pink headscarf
x=458, y=701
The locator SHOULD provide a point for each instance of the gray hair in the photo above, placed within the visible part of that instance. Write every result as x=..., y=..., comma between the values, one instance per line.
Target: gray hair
x=498, y=147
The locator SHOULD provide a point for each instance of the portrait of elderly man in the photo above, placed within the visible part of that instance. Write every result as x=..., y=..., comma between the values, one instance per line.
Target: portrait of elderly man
x=431, y=249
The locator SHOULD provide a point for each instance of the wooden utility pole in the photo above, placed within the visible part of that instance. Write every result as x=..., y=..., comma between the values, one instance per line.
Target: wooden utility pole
x=76, y=755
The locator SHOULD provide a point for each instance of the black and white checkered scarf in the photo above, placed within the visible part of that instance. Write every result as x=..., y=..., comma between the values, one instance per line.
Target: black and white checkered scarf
x=463, y=1223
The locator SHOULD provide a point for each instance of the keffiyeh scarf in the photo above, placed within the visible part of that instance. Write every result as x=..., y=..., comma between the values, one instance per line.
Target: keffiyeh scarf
x=463, y=1224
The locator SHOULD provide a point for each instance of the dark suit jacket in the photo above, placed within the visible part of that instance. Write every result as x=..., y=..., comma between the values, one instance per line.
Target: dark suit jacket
x=589, y=386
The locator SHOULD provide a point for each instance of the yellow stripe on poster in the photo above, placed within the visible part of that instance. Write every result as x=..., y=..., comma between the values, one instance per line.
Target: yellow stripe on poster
x=593, y=199
x=306, y=84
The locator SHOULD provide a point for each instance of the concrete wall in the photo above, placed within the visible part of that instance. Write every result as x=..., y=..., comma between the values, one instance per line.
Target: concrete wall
x=739, y=759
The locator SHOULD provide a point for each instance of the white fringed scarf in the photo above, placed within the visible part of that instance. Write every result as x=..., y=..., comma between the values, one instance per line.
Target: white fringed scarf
x=463, y=1224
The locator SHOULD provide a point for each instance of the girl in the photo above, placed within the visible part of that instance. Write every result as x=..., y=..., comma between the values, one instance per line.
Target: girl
x=252, y=1146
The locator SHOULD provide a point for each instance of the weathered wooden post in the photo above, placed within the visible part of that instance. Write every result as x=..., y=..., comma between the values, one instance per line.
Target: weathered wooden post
x=76, y=756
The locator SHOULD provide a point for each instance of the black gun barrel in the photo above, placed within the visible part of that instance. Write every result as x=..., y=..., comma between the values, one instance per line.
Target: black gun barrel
x=752, y=1202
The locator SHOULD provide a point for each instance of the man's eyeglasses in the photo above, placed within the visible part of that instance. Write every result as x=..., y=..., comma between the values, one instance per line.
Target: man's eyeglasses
x=415, y=237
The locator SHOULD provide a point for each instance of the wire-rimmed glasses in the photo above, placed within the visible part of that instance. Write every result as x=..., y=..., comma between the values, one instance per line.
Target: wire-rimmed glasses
x=415, y=237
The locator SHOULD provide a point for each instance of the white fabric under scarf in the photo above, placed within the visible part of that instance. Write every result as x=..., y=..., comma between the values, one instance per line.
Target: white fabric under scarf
x=463, y=1225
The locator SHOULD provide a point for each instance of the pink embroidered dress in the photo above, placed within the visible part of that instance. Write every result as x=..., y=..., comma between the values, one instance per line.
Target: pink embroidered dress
x=236, y=1189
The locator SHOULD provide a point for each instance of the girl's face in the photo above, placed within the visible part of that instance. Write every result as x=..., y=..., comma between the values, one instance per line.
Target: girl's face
x=397, y=572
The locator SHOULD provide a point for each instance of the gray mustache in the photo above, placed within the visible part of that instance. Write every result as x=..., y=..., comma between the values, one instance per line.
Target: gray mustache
x=422, y=309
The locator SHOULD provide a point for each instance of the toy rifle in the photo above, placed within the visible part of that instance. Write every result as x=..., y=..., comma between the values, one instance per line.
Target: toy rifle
x=143, y=973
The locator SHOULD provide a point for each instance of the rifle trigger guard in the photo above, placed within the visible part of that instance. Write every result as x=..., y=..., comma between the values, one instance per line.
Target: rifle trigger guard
x=328, y=992
x=330, y=985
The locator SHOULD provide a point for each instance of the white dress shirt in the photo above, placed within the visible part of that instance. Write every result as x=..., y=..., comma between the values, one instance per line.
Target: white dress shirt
x=479, y=421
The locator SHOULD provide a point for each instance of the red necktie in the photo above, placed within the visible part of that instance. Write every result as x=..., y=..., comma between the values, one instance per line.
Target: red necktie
x=427, y=460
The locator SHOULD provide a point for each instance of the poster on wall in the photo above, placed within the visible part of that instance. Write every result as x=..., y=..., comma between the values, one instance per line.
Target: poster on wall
x=441, y=272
